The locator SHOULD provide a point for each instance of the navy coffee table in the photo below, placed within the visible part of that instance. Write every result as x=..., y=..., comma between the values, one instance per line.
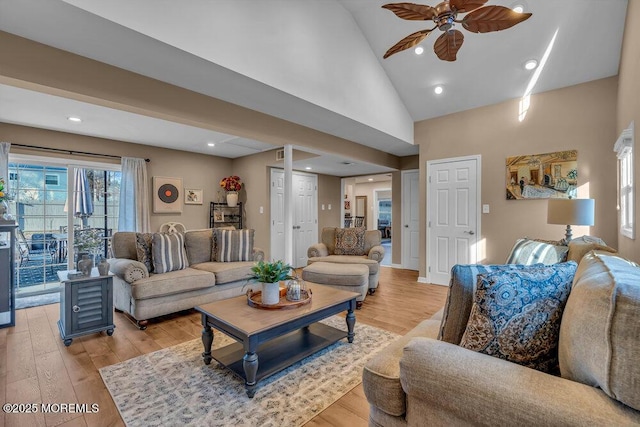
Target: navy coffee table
x=271, y=340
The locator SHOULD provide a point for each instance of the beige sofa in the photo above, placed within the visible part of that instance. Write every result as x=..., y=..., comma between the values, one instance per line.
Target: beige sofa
x=424, y=380
x=144, y=296
x=374, y=253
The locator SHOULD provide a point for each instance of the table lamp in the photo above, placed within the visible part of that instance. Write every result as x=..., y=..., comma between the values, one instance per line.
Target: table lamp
x=570, y=212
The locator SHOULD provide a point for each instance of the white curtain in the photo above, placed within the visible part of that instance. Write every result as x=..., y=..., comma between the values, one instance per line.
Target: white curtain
x=134, y=196
x=4, y=163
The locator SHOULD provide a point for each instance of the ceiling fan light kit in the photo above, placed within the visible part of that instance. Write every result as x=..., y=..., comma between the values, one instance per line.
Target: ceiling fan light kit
x=478, y=19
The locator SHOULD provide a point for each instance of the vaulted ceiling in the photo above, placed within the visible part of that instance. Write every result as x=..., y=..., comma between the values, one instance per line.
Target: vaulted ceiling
x=317, y=63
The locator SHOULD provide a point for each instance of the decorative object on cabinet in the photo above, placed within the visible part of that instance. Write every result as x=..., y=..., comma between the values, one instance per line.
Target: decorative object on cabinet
x=231, y=184
x=7, y=274
x=86, y=305
x=166, y=196
x=542, y=176
x=221, y=214
x=192, y=196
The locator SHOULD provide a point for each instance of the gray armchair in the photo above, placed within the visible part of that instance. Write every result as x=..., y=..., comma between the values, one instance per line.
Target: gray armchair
x=373, y=253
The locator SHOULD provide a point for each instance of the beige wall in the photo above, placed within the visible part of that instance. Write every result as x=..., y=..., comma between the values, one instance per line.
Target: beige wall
x=629, y=109
x=580, y=117
x=196, y=170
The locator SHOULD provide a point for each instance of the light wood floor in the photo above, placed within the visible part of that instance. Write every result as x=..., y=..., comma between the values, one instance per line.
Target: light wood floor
x=35, y=366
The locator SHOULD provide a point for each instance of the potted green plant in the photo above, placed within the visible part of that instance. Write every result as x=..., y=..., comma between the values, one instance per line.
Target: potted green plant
x=269, y=274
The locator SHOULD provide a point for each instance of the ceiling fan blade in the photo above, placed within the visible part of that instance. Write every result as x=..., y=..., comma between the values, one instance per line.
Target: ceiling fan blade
x=412, y=11
x=492, y=18
x=448, y=45
x=466, y=5
x=408, y=42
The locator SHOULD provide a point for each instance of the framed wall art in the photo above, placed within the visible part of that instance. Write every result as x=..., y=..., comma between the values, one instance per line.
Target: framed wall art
x=167, y=197
x=192, y=196
x=543, y=176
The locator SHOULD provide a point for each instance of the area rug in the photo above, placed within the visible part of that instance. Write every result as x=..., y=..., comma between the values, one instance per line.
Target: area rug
x=174, y=387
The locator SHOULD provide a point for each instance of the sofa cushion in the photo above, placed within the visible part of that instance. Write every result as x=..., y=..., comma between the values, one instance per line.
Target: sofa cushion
x=328, y=237
x=529, y=252
x=462, y=288
x=214, y=242
x=168, y=252
x=227, y=272
x=373, y=265
x=197, y=243
x=516, y=315
x=234, y=245
x=143, y=249
x=123, y=245
x=579, y=247
x=381, y=374
x=173, y=282
x=349, y=241
x=600, y=333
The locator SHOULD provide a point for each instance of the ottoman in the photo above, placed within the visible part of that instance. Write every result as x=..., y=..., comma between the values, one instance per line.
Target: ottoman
x=348, y=277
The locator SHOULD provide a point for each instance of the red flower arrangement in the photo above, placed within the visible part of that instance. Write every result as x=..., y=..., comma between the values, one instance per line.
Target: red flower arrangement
x=231, y=183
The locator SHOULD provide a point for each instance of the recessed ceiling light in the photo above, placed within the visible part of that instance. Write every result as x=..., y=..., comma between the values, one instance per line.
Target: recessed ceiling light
x=308, y=168
x=419, y=50
x=370, y=179
x=518, y=8
x=438, y=90
x=531, y=64
x=74, y=119
x=211, y=144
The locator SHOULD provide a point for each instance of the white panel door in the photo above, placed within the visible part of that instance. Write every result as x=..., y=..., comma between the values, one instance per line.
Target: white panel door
x=305, y=215
x=277, y=214
x=410, y=225
x=452, y=216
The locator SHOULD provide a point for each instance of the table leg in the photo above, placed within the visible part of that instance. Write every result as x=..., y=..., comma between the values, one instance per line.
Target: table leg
x=250, y=366
x=351, y=322
x=207, y=340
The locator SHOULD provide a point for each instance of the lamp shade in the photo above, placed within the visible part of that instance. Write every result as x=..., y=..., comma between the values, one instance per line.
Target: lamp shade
x=571, y=211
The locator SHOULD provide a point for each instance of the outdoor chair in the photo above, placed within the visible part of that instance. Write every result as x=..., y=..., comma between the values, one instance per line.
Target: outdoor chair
x=39, y=247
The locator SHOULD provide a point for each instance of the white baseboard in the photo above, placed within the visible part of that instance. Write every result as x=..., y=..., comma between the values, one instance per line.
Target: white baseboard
x=424, y=280
x=394, y=266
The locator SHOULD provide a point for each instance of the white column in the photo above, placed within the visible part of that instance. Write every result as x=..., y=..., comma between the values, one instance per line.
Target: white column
x=288, y=204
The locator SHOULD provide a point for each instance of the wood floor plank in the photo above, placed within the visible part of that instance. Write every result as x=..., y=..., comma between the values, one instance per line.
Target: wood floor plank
x=24, y=391
x=55, y=387
x=39, y=366
x=20, y=360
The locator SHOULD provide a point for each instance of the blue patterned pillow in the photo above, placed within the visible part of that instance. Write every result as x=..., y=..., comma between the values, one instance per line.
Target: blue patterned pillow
x=516, y=314
x=462, y=289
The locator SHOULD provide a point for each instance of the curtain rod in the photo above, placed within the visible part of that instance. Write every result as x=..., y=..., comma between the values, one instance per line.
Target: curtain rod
x=72, y=152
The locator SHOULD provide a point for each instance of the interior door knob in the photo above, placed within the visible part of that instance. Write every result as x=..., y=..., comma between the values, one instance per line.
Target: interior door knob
x=406, y=226
x=470, y=232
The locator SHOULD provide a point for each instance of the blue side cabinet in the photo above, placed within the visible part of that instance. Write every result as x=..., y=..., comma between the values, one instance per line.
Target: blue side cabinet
x=86, y=305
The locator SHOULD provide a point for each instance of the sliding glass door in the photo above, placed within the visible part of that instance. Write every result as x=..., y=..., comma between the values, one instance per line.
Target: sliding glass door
x=61, y=210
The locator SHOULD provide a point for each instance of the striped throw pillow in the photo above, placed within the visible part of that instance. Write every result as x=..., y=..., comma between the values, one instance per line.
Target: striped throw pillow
x=168, y=252
x=234, y=245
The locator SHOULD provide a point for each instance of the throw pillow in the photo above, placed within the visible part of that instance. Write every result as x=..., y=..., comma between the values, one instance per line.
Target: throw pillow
x=516, y=315
x=168, y=252
x=529, y=252
x=214, y=241
x=462, y=290
x=234, y=245
x=580, y=246
x=350, y=241
x=143, y=249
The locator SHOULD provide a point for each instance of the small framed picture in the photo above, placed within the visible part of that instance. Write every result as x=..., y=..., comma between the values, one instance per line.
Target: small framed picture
x=192, y=196
x=218, y=216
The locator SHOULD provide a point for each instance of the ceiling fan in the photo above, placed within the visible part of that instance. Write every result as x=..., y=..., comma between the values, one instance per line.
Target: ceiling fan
x=479, y=20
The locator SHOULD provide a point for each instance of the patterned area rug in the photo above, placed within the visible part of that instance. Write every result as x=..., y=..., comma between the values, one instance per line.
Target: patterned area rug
x=173, y=386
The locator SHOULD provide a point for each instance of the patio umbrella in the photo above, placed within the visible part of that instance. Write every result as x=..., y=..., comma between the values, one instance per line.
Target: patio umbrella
x=83, y=203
